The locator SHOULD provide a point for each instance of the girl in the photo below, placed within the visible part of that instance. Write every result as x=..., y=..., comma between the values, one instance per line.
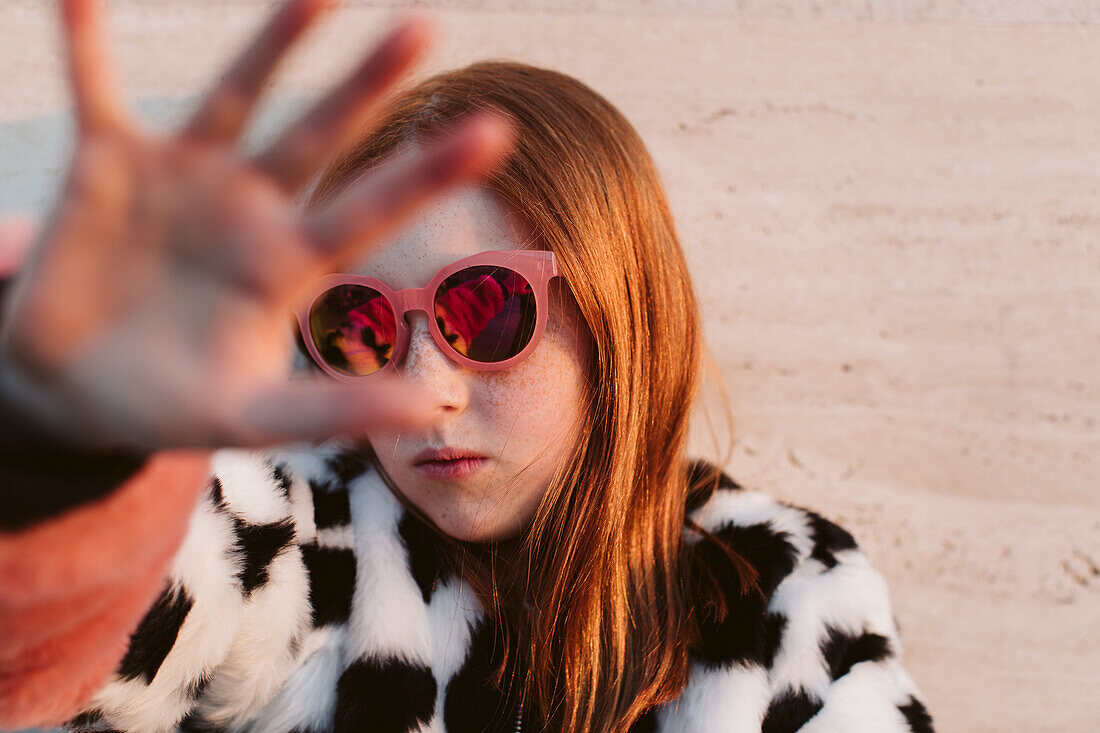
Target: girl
x=507, y=538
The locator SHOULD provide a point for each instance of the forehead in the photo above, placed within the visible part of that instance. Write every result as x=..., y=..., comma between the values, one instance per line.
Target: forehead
x=462, y=222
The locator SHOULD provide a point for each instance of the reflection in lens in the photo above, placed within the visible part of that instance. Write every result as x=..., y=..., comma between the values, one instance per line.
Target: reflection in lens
x=354, y=329
x=486, y=313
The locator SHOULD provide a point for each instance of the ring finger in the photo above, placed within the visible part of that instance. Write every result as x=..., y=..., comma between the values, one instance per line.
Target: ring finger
x=225, y=110
x=297, y=154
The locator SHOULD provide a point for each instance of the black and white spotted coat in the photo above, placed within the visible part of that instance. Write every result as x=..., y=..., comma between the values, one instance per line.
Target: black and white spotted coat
x=304, y=599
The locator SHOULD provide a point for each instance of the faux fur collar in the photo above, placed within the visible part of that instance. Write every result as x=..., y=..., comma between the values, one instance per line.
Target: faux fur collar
x=306, y=599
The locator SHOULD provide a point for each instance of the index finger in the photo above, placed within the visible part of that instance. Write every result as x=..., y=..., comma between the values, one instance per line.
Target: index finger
x=381, y=198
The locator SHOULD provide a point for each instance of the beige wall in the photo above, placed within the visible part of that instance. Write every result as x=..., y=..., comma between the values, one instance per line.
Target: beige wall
x=892, y=211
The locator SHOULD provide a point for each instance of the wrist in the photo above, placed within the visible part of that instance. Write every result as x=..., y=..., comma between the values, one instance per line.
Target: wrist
x=30, y=415
x=44, y=469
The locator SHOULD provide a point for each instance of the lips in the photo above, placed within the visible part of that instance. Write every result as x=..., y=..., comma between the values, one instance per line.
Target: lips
x=447, y=464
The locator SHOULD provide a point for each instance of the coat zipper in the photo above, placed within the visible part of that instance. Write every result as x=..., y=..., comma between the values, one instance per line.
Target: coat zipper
x=519, y=718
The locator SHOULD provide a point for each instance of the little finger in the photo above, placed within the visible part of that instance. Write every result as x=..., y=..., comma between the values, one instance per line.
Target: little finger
x=95, y=92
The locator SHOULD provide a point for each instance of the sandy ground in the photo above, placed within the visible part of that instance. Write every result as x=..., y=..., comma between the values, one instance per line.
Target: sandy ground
x=893, y=214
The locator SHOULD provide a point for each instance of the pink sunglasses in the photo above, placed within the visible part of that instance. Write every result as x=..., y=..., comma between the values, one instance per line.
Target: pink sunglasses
x=486, y=312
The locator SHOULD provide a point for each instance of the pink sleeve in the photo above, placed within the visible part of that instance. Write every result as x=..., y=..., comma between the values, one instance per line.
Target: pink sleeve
x=73, y=588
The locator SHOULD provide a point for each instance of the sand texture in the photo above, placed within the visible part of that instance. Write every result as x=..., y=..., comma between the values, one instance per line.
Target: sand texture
x=893, y=217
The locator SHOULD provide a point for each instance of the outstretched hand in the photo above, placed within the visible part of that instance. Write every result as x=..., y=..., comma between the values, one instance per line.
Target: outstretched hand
x=152, y=310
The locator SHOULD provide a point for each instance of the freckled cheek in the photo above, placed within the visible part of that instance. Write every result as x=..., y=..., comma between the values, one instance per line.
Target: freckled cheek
x=526, y=414
x=537, y=403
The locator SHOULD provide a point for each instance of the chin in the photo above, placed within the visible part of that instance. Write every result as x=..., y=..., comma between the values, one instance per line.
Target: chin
x=476, y=529
x=465, y=516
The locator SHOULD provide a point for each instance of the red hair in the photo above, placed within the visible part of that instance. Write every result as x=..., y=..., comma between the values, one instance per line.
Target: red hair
x=603, y=562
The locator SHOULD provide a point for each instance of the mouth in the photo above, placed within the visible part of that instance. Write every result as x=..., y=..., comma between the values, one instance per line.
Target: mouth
x=448, y=464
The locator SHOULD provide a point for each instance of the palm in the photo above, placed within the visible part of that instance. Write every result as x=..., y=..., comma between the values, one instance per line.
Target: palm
x=153, y=310
x=192, y=300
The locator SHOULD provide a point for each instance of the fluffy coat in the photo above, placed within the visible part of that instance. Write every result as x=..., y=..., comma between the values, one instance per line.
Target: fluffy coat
x=304, y=598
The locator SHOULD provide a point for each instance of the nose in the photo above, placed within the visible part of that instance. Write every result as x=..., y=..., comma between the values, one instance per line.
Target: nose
x=427, y=367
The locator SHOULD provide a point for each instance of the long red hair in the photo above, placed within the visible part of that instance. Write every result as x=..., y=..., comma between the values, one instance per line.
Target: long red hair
x=598, y=590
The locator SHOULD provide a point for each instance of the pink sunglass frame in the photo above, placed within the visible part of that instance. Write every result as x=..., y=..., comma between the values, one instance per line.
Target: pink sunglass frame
x=538, y=267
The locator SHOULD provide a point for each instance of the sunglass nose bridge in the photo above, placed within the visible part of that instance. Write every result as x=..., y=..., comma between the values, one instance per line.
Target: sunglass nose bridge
x=413, y=299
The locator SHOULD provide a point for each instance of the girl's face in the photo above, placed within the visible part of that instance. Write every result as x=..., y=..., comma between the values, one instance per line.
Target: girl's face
x=515, y=425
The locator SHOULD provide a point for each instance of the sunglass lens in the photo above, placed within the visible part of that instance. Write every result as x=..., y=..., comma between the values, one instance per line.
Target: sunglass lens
x=486, y=313
x=354, y=329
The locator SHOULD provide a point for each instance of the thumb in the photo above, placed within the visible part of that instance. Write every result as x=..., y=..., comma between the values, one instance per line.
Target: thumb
x=16, y=236
x=298, y=410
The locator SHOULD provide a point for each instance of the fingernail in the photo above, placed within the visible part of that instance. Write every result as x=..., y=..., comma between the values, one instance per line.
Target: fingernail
x=414, y=34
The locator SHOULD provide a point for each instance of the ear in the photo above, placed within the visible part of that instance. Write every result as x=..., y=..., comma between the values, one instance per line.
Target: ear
x=16, y=235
